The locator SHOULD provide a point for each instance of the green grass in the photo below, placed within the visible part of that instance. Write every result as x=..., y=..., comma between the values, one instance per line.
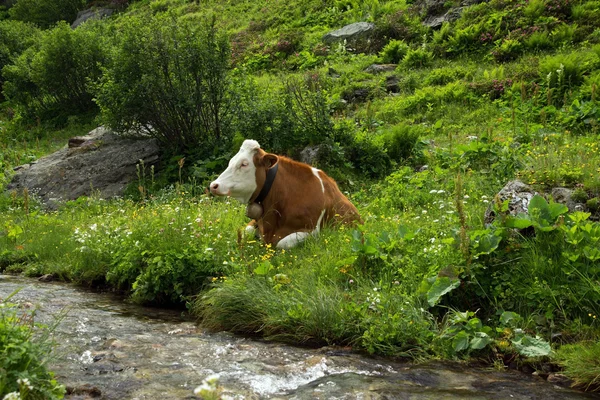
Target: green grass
x=485, y=102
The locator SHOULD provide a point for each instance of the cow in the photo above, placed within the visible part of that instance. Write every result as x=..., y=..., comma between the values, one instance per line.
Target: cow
x=287, y=200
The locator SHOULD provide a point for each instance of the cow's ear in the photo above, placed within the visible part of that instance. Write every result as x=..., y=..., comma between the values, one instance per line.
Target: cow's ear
x=269, y=160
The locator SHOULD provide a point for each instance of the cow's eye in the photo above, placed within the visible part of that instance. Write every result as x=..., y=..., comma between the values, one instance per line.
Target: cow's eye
x=244, y=164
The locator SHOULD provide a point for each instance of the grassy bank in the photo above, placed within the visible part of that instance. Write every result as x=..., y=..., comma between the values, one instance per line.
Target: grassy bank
x=507, y=91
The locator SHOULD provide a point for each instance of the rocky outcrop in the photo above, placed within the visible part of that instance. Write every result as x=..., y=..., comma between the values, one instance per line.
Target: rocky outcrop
x=96, y=13
x=100, y=163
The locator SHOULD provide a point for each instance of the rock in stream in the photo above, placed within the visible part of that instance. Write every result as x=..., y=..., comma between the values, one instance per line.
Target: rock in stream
x=109, y=349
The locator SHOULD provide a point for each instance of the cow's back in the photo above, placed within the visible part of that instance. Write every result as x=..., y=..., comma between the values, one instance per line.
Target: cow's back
x=338, y=207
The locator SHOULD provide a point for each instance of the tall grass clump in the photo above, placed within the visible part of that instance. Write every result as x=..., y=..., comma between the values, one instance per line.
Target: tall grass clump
x=581, y=363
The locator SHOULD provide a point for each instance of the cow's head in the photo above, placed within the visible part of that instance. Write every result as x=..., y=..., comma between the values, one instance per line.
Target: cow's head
x=245, y=176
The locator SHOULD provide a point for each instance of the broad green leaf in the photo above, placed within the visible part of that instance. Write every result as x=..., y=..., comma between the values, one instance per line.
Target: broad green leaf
x=460, y=342
x=480, y=341
x=521, y=221
x=440, y=287
x=529, y=346
x=508, y=317
x=557, y=209
x=540, y=204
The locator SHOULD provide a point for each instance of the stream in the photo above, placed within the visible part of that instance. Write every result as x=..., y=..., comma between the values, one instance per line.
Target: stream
x=109, y=349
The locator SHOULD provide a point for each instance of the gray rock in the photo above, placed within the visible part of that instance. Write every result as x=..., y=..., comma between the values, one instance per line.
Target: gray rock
x=436, y=22
x=563, y=195
x=46, y=278
x=352, y=32
x=560, y=379
x=310, y=154
x=379, y=68
x=96, y=13
x=100, y=162
x=519, y=196
x=392, y=84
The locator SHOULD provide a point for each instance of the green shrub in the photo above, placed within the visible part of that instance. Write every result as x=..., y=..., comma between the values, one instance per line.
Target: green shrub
x=401, y=142
x=168, y=78
x=368, y=156
x=564, y=33
x=539, y=40
x=417, y=58
x=394, y=51
x=534, y=9
x=443, y=76
x=25, y=349
x=507, y=50
x=46, y=13
x=563, y=72
x=587, y=12
x=15, y=37
x=466, y=39
x=50, y=79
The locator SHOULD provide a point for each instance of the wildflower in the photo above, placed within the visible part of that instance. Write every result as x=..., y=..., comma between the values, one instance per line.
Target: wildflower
x=25, y=382
x=12, y=396
x=208, y=386
x=93, y=227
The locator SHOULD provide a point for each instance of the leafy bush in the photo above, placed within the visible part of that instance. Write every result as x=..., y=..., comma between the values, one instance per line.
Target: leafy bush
x=46, y=13
x=563, y=72
x=443, y=76
x=25, y=348
x=168, y=78
x=50, y=79
x=417, y=58
x=15, y=37
x=368, y=156
x=394, y=51
x=539, y=40
x=401, y=142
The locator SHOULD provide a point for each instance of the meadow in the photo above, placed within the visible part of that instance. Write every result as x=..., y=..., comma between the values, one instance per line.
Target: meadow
x=508, y=91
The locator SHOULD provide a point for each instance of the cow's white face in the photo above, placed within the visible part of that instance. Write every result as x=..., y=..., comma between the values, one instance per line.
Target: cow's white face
x=239, y=179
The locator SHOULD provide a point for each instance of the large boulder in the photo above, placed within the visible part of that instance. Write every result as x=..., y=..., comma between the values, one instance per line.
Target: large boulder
x=352, y=33
x=100, y=163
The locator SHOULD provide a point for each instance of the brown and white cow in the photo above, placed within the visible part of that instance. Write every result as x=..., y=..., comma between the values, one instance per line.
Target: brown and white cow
x=295, y=199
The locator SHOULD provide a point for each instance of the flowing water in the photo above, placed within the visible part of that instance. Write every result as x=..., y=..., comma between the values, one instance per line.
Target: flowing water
x=109, y=349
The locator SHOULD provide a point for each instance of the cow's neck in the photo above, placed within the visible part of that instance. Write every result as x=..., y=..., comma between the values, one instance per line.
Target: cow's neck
x=270, y=178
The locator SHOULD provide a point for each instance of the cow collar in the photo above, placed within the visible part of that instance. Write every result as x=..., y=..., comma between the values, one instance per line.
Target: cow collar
x=271, y=173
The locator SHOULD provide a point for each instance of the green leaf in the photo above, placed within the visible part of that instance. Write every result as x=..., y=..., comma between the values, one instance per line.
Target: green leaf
x=540, y=204
x=460, y=342
x=508, y=317
x=591, y=253
x=521, y=221
x=529, y=346
x=557, y=209
x=264, y=268
x=440, y=287
x=480, y=341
